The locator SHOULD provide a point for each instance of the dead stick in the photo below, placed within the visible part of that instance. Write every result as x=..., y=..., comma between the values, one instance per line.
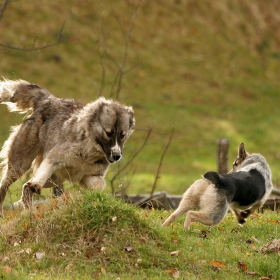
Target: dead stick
x=160, y=163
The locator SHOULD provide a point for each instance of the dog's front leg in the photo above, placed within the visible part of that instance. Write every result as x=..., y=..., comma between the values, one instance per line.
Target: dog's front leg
x=94, y=182
x=36, y=184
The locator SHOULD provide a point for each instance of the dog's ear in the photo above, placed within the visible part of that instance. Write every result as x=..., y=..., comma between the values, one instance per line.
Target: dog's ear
x=213, y=177
x=242, y=153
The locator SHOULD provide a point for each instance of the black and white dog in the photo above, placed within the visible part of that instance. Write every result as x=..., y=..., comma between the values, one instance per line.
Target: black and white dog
x=244, y=189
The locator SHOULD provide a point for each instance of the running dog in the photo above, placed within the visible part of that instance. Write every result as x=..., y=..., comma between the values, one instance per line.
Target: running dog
x=60, y=139
x=244, y=189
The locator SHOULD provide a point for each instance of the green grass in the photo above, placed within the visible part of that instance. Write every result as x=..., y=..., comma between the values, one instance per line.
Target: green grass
x=209, y=70
x=95, y=235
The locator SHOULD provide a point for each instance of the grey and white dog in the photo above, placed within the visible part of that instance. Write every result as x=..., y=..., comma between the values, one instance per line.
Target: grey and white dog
x=244, y=189
x=60, y=139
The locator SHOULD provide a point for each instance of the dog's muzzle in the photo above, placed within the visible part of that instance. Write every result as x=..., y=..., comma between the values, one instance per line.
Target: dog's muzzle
x=116, y=156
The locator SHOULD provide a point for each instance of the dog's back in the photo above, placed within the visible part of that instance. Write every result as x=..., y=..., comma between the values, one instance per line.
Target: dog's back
x=248, y=184
x=242, y=188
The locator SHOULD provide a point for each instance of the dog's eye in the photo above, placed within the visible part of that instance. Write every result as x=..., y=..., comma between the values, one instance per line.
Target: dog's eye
x=109, y=133
x=122, y=135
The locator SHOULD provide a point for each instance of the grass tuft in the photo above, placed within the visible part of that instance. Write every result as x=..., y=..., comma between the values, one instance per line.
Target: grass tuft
x=93, y=235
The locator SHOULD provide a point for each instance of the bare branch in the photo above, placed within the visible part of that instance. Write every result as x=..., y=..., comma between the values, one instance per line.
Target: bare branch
x=3, y=7
x=160, y=163
x=33, y=47
x=127, y=39
x=131, y=159
x=117, y=83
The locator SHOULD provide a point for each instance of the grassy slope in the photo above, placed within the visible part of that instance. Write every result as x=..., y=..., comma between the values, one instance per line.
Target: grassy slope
x=97, y=236
x=209, y=69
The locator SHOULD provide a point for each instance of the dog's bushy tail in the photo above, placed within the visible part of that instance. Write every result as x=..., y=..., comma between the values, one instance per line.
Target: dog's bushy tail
x=20, y=95
x=213, y=177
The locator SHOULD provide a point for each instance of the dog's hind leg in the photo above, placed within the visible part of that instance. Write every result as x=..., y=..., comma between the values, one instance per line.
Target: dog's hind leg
x=184, y=206
x=197, y=216
x=18, y=153
x=190, y=200
x=206, y=217
x=8, y=177
x=10, y=174
x=214, y=208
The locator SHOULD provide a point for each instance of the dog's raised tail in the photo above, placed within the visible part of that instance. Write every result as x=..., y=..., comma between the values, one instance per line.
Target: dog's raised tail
x=20, y=95
x=213, y=177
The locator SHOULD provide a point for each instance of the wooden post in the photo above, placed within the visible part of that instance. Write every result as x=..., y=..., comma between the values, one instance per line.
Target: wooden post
x=222, y=157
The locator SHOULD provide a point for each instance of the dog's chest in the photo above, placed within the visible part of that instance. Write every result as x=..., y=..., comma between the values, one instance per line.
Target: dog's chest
x=73, y=174
x=82, y=167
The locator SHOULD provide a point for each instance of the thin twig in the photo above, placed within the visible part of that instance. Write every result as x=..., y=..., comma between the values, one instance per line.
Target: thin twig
x=3, y=7
x=160, y=163
x=127, y=39
x=131, y=159
x=33, y=48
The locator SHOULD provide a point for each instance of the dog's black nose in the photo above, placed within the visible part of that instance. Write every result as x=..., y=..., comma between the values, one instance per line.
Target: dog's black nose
x=116, y=156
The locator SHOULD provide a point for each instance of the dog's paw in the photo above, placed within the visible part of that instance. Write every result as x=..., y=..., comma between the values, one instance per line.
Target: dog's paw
x=244, y=214
x=241, y=221
x=35, y=188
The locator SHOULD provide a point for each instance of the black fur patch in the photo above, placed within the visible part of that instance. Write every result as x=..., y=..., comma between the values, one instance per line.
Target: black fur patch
x=241, y=187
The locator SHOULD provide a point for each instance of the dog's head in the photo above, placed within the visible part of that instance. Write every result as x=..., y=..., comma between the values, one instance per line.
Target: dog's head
x=241, y=155
x=113, y=126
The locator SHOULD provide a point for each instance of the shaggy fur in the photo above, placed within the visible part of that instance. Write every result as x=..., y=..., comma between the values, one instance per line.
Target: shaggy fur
x=244, y=189
x=61, y=139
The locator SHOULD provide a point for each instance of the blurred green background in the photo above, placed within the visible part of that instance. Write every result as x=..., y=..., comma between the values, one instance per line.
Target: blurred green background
x=207, y=69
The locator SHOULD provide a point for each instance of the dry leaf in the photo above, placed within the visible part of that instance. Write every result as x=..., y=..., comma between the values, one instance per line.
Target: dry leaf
x=242, y=266
x=38, y=216
x=175, y=241
x=271, y=247
x=175, y=253
x=103, y=271
x=251, y=273
x=54, y=203
x=88, y=254
x=170, y=271
x=28, y=250
x=39, y=207
x=69, y=266
x=174, y=272
x=217, y=263
x=128, y=248
x=253, y=247
x=7, y=269
x=39, y=255
x=254, y=215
